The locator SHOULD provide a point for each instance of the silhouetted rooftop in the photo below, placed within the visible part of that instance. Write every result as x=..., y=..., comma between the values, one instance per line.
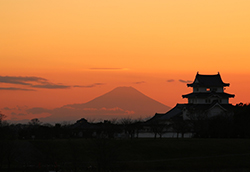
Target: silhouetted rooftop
x=207, y=94
x=154, y=118
x=178, y=110
x=204, y=107
x=208, y=81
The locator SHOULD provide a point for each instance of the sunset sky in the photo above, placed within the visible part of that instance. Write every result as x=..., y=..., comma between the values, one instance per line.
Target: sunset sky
x=58, y=52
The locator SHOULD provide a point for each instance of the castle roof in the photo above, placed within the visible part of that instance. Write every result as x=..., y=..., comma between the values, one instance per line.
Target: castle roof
x=156, y=117
x=178, y=109
x=208, y=81
x=207, y=94
x=205, y=107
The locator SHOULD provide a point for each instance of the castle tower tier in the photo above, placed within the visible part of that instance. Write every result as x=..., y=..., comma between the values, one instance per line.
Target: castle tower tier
x=208, y=89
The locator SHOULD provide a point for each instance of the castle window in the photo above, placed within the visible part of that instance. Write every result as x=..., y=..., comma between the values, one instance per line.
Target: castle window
x=214, y=89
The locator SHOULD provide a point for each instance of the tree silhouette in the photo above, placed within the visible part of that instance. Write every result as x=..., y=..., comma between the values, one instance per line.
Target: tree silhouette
x=180, y=126
x=158, y=127
x=2, y=117
x=3, y=127
x=128, y=127
x=242, y=120
x=35, y=122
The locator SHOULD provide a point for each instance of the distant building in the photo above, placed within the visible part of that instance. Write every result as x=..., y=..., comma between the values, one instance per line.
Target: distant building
x=208, y=99
x=207, y=89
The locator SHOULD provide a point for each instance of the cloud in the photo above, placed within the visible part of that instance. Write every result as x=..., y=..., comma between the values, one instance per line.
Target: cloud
x=13, y=113
x=29, y=82
x=19, y=114
x=70, y=113
x=170, y=80
x=16, y=89
x=184, y=81
x=89, y=86
x=20, y=80
x=38, y=110
x=19, y=108
x=51, y=86
x=6, y=108
x=139, y=82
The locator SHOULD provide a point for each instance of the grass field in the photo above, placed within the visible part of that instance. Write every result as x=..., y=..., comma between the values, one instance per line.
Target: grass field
x=150, y=154
x=146, y=155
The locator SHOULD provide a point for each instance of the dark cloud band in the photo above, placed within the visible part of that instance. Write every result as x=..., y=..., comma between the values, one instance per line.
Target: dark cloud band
x=16, y=89
x=184, y=81
x=38, y=82
x=20, y=80
x=89, y=86
x=170, y=80
x=139, y=82
x=51, y=86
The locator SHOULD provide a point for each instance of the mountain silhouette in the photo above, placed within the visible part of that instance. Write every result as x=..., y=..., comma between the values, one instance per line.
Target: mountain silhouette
x=120, y=102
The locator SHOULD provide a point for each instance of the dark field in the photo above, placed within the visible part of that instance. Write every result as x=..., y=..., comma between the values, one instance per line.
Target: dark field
x=128, y=155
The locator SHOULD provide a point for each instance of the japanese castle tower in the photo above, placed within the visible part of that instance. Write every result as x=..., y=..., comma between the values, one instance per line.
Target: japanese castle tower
x=208, y=89
x=208, y=99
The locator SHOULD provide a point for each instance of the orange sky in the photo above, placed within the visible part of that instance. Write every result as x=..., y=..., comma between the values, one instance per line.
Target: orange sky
x=139, y=43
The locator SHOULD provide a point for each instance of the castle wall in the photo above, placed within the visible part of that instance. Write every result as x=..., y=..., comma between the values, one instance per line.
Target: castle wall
x=206, y=89
x=207, y=101
x=215, y=111
x=224, y=101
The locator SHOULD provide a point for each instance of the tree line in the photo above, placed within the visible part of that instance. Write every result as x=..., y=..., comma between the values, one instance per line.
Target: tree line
x=24, y=143
x=226, y=125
